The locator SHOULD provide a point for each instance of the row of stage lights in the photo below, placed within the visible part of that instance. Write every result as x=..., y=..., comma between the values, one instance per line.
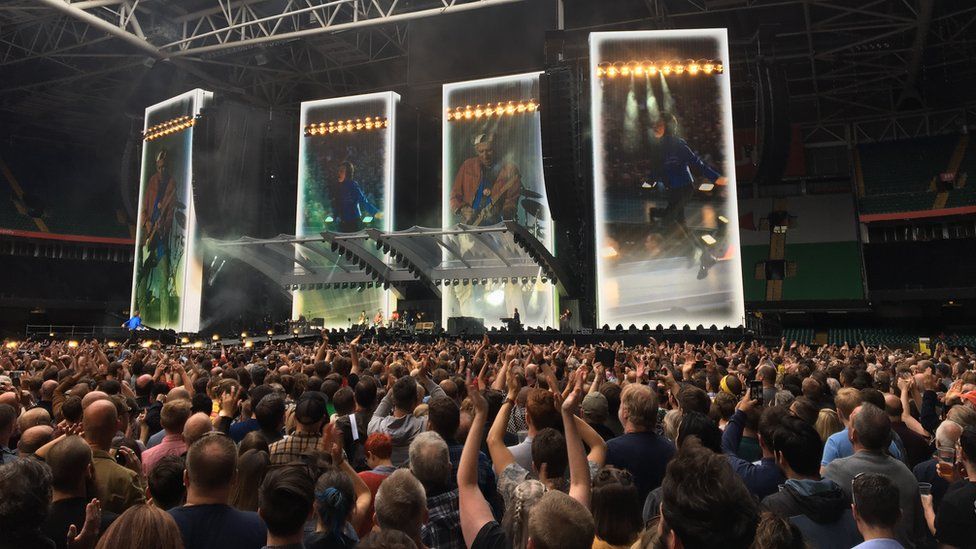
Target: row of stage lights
x=346, y=126
x=358, y=286
x=641, y=68
x=169, y=127
x=492, y=109
x=526, y=280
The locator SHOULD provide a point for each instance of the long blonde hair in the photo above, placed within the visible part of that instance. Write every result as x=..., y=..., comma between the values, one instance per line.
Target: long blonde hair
x=828, y=423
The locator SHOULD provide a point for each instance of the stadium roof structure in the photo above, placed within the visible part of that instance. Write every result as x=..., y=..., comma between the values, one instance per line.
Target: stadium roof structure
x=506, y=253
x=68, y=64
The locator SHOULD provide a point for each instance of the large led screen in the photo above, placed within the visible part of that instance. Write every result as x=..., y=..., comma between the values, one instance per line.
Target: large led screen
x=345, y=185
x=667, y=236
x=492, y=155
x=168, y=272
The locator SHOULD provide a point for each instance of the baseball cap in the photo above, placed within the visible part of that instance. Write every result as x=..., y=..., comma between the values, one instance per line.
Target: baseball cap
x=595, y=406
x=311, y=408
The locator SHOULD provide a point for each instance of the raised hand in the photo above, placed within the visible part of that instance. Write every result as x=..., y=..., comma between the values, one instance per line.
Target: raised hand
x=89, y=530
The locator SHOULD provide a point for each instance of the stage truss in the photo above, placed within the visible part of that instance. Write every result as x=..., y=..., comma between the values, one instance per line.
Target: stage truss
x=500, y=254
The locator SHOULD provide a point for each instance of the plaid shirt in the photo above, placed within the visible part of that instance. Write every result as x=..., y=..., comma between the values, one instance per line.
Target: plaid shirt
x=443, y=528
x=293, y=447
x=486, y=475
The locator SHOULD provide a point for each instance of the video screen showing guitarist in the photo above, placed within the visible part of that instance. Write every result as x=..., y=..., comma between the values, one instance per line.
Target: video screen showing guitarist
x=485, y=192
x=159, y=258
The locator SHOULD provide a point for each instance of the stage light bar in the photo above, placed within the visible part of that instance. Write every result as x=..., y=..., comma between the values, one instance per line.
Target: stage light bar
x=652, y=68
x=346, y=126
x=477, y=112
x=168, y=128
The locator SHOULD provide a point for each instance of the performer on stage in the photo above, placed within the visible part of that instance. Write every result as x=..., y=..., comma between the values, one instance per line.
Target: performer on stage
x=134, y=324
x=485, y=191
x=378, y=319
x=363, y=319
x=158, y=256
x=675, y=159
x=350, y=203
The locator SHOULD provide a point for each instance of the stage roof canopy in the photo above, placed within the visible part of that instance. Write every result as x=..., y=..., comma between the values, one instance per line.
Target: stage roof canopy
x=505, y=253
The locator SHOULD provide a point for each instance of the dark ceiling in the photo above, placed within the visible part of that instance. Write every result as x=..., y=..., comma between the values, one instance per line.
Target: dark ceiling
x=82, y=69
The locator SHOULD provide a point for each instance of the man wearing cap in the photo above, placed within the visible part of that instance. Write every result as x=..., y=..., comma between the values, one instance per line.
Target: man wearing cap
x=969, y=399
x=595, y=411
x=310, y=411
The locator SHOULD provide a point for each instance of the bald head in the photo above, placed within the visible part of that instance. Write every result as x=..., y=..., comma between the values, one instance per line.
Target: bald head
x=178, y=393
x=33, y=438
x=47, y=389
x=195, y=427
x=893, y=406
x=93, y=396
x=33, y=418
x=10, y=399
x=100, y=421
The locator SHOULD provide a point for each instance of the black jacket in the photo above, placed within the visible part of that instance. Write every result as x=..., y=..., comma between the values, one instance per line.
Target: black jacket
x=819, y=509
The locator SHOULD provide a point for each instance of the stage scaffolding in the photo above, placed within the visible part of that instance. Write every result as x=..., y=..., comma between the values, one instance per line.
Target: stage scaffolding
x=500, y=254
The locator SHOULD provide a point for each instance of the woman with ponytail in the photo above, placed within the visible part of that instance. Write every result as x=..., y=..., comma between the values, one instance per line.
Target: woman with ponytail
x=342, y=500
x=334, y=501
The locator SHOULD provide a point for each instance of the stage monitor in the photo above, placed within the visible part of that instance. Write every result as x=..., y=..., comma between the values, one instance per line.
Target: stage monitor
x=168, y=270
x=345, y=184
x=666, y=225
x=492, y=171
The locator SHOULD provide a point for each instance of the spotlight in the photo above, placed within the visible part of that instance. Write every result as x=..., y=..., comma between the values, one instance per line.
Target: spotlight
x=147, y=344
x=666, y=70
x=215, y=337
x=248, y=344
x=72, y=344
x=198, y=344
x=243, y=335
x=270, y=333
x=612, y=72
x=184, y=340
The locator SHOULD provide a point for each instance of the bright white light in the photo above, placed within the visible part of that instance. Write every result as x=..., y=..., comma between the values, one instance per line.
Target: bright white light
x=368, y=219
x=707, y=186
x=495, y=298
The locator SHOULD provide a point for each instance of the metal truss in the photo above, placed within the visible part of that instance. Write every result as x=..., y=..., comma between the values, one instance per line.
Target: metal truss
x=844, y=59
x=66, y=63
x=61, y=56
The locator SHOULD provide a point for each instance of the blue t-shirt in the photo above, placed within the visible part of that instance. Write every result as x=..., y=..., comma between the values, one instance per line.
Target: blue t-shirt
x=839, y=446
x=216, y=526
x=133, y=323
x=240, y=429
x=645, y=455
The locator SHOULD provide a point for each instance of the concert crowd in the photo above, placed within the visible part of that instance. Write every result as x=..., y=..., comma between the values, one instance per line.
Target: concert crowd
x=454, y=444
